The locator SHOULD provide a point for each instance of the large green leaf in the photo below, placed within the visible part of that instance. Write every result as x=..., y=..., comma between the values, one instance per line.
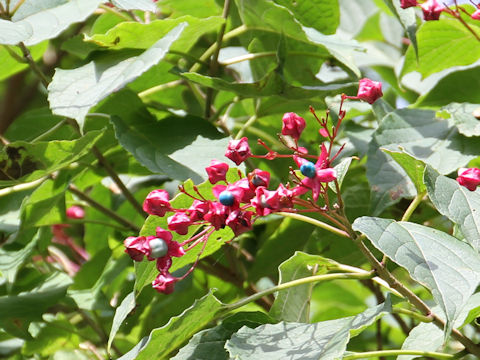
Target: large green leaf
x=146, y=271
x=433, y=258
x=73, y=92
x=324, y=340
x=441, y=45
x=11, y=261
x=413, y=167
x=293, y=304
x=209, y=344
x=322, y=15
x=463, y=118
x=267, y=16
x=423, y=136
x=456, y=202
x=135, y=35
x=22, y=161
x=46, y=205
x=165, y=146
x=29, y=306
x=458, y=86
x=36, y=21
x=121, y=313
x=164, y=340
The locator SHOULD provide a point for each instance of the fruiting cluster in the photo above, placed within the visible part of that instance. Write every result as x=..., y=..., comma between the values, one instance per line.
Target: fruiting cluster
x=433, y=8
x=238, y=204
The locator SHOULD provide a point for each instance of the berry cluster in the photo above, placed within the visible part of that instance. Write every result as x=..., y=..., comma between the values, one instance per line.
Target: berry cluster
x=238, y=204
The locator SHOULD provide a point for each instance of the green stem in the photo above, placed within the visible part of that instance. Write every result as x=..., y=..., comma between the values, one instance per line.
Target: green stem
x=315, y=222
x=413, y=205
x=14, y=55
x=124, y=222
x=211, y=50
x=293, y=283
x=33, y=65
x=160, y=87
x=376, y=354
x=247, y=57
x=245, y=126
x=413, y=314
x=21, y=187
x=50, y=131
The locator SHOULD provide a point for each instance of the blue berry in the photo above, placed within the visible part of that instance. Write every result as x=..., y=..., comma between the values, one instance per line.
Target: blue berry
x=308, y=169
x=226, y=198
x=158, y=247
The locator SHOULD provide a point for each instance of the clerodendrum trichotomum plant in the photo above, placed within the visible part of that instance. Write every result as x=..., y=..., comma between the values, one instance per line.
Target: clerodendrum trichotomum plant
x=239, y=179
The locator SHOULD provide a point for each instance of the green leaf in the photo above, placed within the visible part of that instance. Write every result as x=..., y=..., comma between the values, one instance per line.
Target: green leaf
x=423, y=136
x=408, y=20
x=11, y=261
x=134, y=35
x=442, y=44
x=458, y=86
x=165, y=146
x=46, y=205
x=22, y=161
x=433, y=258
x=209, y=344
x=271, y=84
x=322, y=15
x=164, y=340
x=10, y=66
x=456, y=202
x=341, y=170
x=267, y=16
x=413, y=167
x=121, y=313
x=35, y=22
x=289, y=236
x=145, y=5
x=425, y=336
x=326, y=340
x=293, y=305
x=463, y=118
x=29, y=306
x=146, y=271
x=73, y=92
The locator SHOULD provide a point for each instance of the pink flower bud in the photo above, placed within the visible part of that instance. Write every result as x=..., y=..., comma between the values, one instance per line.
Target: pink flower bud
x=470, y=178
x=157, y=203
x=407, y=3
x=136, y=247
x=369, y=90
x=217, y=171
x=476, y=15
x=238, y=150
x=326, y=175
x=198, y=210
x=164, y=283
x=293, y=125
x=324, y=132
x=75, y=212
x=432, y=10
x=179, y=223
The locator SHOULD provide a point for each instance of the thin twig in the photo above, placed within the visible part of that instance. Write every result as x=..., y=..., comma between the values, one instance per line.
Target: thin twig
x=33, y=65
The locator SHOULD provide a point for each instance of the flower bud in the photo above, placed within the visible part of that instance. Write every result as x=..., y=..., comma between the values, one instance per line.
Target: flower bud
x=238, y=150
x=217, y=171
x=470, y=178
x=432, y=10
x=164, y=283
x=293, y=125
x=369, y=90
x=179, y=223
x=75, y=212
x=136, y=247
x=157, y=203
x=407, y=3
x=476, y=15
